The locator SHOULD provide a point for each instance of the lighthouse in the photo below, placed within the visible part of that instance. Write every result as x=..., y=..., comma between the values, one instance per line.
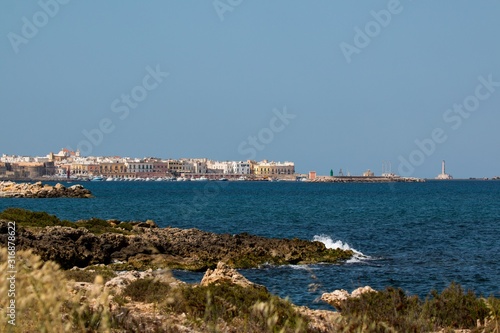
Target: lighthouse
x=443, y=175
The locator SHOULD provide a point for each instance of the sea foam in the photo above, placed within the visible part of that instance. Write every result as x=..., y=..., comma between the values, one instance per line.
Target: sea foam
x=338, y=244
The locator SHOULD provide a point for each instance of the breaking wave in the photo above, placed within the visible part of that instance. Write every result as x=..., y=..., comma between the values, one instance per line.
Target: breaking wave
x=338, y=244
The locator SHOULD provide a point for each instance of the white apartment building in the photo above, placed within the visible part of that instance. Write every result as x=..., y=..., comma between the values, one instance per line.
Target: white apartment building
x=225, y=167
x=139, y=166
x=241, y=168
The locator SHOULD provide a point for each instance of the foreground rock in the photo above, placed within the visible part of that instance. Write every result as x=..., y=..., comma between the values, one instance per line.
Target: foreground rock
x=39, y=190
x=337, y=297
x=147, y=247
x=225, y=274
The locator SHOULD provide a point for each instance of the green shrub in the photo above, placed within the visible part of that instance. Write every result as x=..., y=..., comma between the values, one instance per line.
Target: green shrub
x=391, y=310
x=147, y=290
x=454, y=308
x=254, y=308
x=99, y=226
x=26, y=218
x=90, y=273
x=125, y=225
x=385, y=311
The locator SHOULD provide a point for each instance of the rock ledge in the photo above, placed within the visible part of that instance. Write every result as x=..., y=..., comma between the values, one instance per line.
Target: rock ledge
x=39, y=190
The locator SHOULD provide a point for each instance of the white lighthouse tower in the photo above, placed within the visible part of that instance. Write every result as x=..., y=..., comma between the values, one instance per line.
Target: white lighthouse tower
x=443, y=175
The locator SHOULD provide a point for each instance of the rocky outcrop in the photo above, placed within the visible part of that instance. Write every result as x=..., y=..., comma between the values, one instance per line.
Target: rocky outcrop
x=145, y=248
x=321, y=321
x=125, y=278
x=337, y=297
x=225, y=274
x=39, y=190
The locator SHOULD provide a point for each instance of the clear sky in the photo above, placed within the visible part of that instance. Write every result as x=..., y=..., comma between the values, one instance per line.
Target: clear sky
x=326, y=84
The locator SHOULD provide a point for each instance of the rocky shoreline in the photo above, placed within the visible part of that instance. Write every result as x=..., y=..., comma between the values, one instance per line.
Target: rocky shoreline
x=116, y=278
x=142, y=245
x=10, y=189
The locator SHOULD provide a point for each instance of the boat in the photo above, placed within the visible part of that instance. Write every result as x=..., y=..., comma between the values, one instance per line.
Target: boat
x=222, y=179
x=242, y=178
x=97, y=179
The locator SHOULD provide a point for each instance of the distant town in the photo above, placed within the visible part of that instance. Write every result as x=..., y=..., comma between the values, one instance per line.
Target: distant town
x=71, y=165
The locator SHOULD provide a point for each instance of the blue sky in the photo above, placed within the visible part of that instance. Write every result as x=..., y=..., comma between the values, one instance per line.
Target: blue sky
x=233, y=66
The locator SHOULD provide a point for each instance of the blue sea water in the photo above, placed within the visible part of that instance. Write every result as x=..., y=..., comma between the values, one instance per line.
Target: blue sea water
x=417, y=236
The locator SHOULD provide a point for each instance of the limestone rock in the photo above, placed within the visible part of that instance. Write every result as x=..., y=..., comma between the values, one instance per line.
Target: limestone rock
x=125, y=278
x=337, y=297
x=39, y=190
x=225, y=274
x=319, y=320
x=120, y=282
x=151, y=224
x=362, y=290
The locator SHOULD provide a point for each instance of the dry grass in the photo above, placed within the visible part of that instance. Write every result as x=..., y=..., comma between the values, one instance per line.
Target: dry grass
x=43, y=299
x=45, y=302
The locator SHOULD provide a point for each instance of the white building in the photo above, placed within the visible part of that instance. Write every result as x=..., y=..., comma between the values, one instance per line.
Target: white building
x=139, y=166
x=241, y=168
x=220, y=167
x=198, y=165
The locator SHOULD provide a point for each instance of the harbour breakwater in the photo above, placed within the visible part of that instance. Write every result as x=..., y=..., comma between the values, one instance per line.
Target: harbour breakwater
x=362, y=179
x=142, y=245
x=10, y=189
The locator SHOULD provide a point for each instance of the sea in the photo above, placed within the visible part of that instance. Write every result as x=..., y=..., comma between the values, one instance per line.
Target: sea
x=414, y=236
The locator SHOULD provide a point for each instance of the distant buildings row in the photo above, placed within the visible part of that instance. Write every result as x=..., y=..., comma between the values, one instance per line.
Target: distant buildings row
x=68, y=163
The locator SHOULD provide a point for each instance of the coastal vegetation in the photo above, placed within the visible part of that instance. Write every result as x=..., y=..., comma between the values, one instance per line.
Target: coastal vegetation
x=29, y=219
x=392, y=310
x=109, y=276
x=51, y=300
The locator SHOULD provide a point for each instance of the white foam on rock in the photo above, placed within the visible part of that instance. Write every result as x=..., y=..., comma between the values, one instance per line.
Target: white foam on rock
x=338, y=244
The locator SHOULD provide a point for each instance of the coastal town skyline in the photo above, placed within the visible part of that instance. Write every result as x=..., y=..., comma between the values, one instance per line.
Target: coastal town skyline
x=67, y=163
x=70, y=164
x=351, y=86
